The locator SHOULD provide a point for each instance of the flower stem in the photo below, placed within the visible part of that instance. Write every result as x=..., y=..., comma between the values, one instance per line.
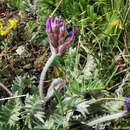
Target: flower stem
x=43, y=74
x=6, y=89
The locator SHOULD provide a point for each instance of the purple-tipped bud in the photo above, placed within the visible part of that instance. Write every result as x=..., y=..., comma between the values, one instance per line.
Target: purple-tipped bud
x=48, y=25
x=127, y=104
x=56, y=31
x=52, y=31
x=71, y=36
x=67, y=41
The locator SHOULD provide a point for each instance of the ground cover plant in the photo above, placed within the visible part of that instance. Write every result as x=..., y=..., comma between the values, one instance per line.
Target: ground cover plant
x=64, y=64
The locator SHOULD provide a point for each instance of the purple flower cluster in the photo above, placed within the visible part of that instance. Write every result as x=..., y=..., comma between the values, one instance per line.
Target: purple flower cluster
x=127, y=104
x=57, y=34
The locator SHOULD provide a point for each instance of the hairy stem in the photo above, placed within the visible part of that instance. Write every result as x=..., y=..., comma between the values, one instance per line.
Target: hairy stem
x=107, y=118
x=43, y=74
x=6, y=89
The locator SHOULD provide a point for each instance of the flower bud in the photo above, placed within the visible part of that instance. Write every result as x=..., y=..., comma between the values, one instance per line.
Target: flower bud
x=56, y=31
x=127, y=104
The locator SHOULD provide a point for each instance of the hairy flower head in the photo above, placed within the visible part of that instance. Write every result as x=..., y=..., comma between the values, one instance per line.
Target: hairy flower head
x=58, y=37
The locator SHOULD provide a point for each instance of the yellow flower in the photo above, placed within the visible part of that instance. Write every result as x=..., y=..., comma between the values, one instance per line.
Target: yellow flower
x=5, y=29
x=12, y=22
x=56, y=71
x=117, y=23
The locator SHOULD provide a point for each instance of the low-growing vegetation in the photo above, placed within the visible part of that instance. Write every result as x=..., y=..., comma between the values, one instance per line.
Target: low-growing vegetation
x=64, y=64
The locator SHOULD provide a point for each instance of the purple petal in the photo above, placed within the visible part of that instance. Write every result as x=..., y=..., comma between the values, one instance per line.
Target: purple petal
x=71, y=36
x=62, y=32
x=48, y=25
x=62, y=25
x=52, y=32
x=53, y=40
x=55, y=25
x=67, y=41
x=127, y=104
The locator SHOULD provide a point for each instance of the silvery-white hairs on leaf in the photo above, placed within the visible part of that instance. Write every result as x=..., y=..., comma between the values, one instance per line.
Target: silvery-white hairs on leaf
x=107, y=118
x=56, y=85
x=59, y=39
x=112, y=116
